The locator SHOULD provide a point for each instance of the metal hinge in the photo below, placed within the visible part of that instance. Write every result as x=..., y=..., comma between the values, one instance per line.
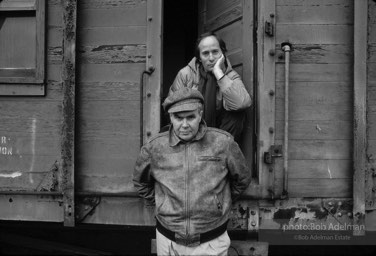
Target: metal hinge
x=274, y=151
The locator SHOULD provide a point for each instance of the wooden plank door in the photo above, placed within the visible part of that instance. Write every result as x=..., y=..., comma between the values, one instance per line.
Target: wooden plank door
x=320, y=95
x=233, y=22
x=112, y=38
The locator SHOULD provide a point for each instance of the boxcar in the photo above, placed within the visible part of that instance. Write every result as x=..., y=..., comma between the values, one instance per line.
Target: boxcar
x=81, y=86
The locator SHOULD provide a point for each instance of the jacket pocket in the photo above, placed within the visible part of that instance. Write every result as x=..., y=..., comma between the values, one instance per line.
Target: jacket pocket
x=218, y=203
x=209, y=158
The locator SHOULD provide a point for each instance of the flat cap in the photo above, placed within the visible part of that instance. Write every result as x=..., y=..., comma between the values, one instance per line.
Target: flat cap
x=183, y=99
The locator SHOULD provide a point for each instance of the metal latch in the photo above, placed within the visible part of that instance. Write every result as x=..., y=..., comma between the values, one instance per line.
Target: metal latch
x=269, y=30
x=274, y=151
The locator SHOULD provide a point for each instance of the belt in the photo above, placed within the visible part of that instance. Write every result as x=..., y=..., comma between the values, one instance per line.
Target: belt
x=192, y=240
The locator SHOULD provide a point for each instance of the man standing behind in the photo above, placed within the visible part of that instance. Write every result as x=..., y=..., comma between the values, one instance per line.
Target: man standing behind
x=225, y=95
x=192, y=173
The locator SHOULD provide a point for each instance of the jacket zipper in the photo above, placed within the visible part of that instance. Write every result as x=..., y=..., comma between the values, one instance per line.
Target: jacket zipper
x=187, y=187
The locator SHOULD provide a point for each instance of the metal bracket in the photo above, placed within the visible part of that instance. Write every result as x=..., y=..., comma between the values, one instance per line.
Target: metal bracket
x=86, y=207
x=274, y=151
x=253, y=217
x=269, y=28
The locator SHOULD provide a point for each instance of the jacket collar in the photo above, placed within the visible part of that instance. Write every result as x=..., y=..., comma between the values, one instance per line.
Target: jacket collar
x=175, y=140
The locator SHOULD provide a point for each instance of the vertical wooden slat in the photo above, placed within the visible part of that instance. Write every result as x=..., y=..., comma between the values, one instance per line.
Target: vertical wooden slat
x=266, y=92
x=69, y=83
x=248, y=57
x=360, y=90
x=152, y=92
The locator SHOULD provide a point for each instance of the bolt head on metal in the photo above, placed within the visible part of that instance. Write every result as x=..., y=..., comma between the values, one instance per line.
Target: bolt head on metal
x=271, y=93
x=253, y=224
x=148, y=133
x=271, y=130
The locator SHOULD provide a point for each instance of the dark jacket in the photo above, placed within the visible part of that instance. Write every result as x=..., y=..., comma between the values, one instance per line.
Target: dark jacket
x=193, y=183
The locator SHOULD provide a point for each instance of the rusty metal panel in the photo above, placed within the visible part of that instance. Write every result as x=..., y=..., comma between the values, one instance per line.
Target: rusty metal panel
x=47, y=208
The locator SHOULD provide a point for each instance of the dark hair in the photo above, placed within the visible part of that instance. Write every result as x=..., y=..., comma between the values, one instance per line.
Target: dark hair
x=222, y=44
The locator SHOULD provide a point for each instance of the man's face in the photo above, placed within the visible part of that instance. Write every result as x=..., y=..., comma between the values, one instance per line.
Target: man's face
x=186, y=123
x=210, y=52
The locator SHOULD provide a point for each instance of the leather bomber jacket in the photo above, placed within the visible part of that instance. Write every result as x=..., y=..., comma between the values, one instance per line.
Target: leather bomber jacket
x=191, y=183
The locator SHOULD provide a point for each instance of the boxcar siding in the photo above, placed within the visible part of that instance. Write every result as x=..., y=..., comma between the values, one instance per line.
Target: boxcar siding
x=371, y=116
x=112, y=56
x=31, y=125
x=321, y=95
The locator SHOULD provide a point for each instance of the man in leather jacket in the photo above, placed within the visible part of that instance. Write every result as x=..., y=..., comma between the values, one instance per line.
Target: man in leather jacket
x=192, y=173
x=224, y=93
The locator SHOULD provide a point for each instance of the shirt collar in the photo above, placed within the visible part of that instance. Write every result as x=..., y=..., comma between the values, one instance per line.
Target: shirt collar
x=175, y=140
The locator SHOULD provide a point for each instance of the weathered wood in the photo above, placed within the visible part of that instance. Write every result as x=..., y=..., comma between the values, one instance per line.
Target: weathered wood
x=24, y=5
x=371, y=11
x=101, y=182
x=28, y=163
x=113, y=35
x=55, y=55
x=40, y=110
x=360, y=115
x=151, y=97
x=371, y=75
x=122, y=211
x=15, y=54
x=247, y=61
x=317, y=12
x=19, y=144
x=232, y=35
x=27, y=181
x=116, y=166
x=117, y=17
x=316, y=130
x=40, y=40
x=68, y=127
x=55, y=36
x=22, y=89
x=225, y=18
x=266, y=79
x=320, y=188
x=236, y=58
x=216, y=7
x=314, y=34
x=113, y=54
x=320, y=169
x=317, y=93
x=316, y=72
x=317, y=53
x=372, y=52
x=315, y=112
x=319, y=149
x=110, y=91
x=126, y=72
x=54, y=17
x=109, y=4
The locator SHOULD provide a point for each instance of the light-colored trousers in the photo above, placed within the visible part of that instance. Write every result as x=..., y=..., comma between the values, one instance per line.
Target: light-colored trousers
x=217, y=246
